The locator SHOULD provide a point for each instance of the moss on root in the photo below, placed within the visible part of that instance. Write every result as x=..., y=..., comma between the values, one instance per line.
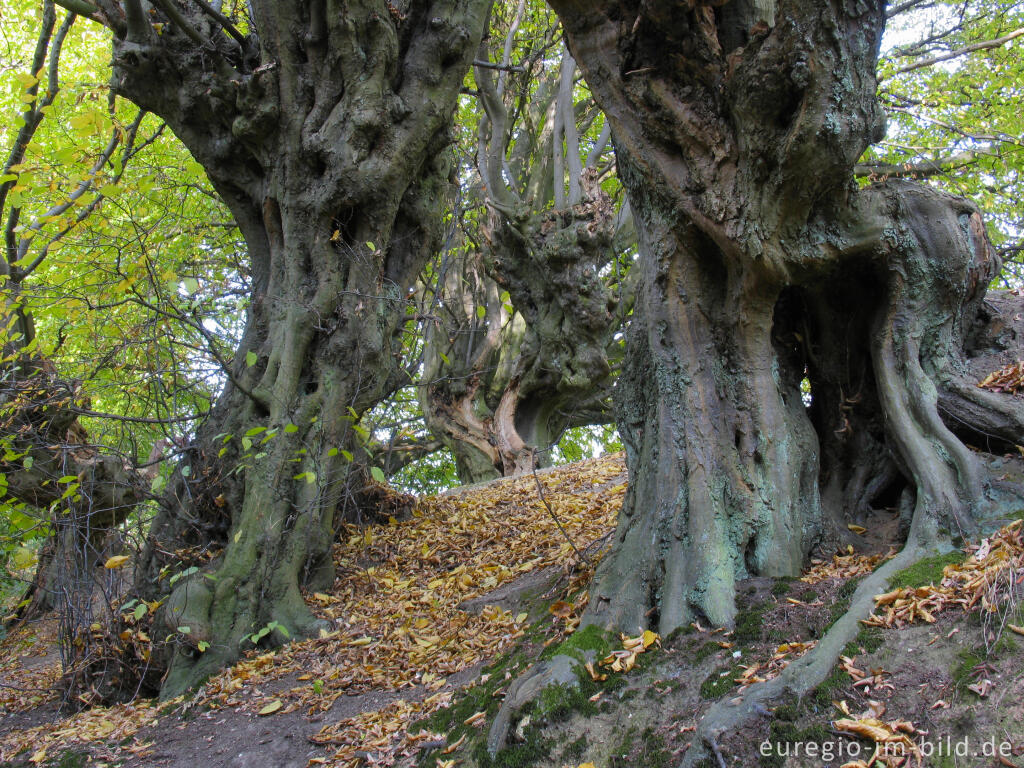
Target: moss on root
x=590, y=638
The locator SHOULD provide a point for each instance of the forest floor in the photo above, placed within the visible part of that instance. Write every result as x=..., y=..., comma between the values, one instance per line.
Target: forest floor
x=434, y=617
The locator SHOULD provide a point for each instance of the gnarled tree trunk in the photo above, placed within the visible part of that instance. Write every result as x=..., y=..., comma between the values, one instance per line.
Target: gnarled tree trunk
x=737, y=127
x=325, y=129
x=529, y=328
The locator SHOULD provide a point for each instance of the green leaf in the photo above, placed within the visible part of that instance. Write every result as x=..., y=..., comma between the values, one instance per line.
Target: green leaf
x=28, y=461
x=290, y=429
x=202, y=645
x=185, y=630
x=251, y=358
x=378, y=474
x=140, y=611
x=481, y=311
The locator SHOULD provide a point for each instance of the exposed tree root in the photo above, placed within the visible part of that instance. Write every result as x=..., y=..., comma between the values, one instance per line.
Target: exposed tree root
x=803, y=674
x=800, y=677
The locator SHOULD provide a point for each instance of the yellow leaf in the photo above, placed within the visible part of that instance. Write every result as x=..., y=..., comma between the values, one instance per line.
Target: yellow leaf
x=116, y=561
x=475, y=719
x=453, y=746
x=39, y=756
x=1015, y=628
x=860, y=530
x=561, y=609
x=105, y=728
x=271, y=708
x=586, y=765
x=649, y=638
x=361, y=641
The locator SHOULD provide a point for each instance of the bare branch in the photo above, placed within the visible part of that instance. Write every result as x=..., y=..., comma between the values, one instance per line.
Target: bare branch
x=982, y=46
x=921, y=169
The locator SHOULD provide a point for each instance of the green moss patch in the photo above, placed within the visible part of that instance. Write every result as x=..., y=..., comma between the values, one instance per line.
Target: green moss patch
x=647, y=749
x=720, y=682
x=926, y=571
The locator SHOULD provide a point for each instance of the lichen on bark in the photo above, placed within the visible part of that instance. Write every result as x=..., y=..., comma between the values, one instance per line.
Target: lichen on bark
x=764, y=266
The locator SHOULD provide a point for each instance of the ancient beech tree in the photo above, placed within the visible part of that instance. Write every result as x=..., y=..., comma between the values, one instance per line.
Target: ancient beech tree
x=737, y=126
x=526, y=328
x=763, y=265
x=325, y=128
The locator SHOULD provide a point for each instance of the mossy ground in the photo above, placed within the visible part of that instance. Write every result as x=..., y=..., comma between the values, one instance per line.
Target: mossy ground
x=926, y=571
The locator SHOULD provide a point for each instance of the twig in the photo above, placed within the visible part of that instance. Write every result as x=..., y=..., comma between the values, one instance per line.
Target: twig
x=540, y=491
x=502, y=67
x=982, y=46
x=718, y=753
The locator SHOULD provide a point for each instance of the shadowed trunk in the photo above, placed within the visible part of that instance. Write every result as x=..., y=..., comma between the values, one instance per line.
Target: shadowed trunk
x=325, y=130
x=764, y=265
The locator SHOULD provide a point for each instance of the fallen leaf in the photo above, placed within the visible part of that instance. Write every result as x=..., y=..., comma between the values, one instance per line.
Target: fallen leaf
x=116, y=561
x=982, y=687
x=271, y=708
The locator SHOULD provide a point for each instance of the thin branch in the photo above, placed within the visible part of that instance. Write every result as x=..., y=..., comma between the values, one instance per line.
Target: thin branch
x=540, y=490
x=176, y=17
x=904, y=7
x=224, y=21
x=135, y=419
x=920, y=170
x=503, y=67
x=982, y=46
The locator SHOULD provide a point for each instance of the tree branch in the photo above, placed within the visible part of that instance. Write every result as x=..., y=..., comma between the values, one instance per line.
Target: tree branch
x=984, y=45
x=921, y=169
x=81, y=7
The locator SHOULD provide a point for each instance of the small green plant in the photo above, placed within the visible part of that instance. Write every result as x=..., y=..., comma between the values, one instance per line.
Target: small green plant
x=259, y=634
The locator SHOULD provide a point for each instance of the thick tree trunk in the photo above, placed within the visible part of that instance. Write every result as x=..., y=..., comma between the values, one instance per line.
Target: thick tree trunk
x=737, y=128
x=728, y=485
x=325, y=130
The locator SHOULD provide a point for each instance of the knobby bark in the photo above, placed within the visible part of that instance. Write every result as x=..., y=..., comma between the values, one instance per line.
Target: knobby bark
x=737, y=127
x=504, y=379
x=325, y=129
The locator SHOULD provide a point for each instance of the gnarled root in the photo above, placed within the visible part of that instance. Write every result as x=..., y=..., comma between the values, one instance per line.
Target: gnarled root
x=803, y=674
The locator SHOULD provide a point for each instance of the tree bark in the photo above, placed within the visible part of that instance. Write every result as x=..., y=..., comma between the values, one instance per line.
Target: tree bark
x=505, y=378
x=326, y=131
x=737, y=128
